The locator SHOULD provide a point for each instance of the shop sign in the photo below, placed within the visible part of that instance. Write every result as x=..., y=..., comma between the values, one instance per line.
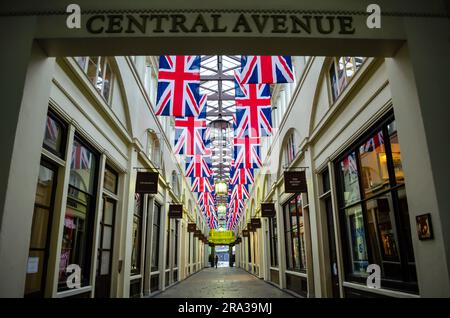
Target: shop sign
x=147, y=182
x=295, y=182
x=191, y=227
x=176, y=211
x=268, y=210
x=256, y=223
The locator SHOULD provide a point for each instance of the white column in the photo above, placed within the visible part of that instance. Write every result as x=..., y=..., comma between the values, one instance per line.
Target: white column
x=126, y=225
x=419, y=77
x=25, y=81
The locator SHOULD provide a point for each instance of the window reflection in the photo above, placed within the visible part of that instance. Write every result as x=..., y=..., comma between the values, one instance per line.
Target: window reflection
x=374, y=170
x=377, y=225
x=396, y=155
x=357, y=240
x=137, y=234
x=53, y=137
x=350, y=179
x=295, y=235
x=77, y=234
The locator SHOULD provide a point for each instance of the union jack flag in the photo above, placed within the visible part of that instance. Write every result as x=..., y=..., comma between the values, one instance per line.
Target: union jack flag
x=253, y=109
x=241, y=176
x=373, y=143
x=202, y=184
x=190, y=133
x=240, y=192
x=266, y=69
x=349, y=163
x=178, y=86
x=213, y=222
x=236, y=210
x=198, y=166
x=247, y=152
x=205, y=199
x=81, y=157
x=236, y=205
x=51, y=130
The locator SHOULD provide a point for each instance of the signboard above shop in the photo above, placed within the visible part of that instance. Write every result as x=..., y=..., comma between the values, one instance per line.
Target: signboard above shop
x=191, y=227
x=256, y=223
x=147, y=182
x=176, y=211
x=268, y=210
x=295, y=182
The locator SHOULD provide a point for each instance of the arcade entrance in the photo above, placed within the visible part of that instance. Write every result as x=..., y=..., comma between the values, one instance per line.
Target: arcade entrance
x=36, y=73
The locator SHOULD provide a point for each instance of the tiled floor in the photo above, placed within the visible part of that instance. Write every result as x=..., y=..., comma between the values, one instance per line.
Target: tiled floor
x=223, y=282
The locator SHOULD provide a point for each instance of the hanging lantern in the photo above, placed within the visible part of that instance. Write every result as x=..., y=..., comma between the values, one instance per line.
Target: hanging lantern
x=221, y=209
x=221, y=188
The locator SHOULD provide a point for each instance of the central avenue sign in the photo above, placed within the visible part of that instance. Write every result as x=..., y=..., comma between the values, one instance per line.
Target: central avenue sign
x=217, y=23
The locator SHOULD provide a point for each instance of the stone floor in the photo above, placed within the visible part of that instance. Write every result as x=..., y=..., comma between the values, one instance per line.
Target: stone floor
x=223, y=282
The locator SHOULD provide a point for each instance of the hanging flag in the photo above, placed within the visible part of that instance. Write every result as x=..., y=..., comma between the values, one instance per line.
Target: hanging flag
x=241, y=176
x=209, y=210
x=253, y=109
x=240, y=192
x=178, y=86
x=266, y=69
x=213, y=223
x=247, y=152
x=190, y=133
x=205, y=199
x=202, y=184
x=198, y=166
x=236, y=205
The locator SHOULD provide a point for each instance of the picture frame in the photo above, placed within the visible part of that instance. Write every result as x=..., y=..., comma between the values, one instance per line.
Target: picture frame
x=424, y=227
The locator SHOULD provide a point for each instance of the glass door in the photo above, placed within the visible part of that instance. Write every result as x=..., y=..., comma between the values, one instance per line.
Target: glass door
x=105, y=249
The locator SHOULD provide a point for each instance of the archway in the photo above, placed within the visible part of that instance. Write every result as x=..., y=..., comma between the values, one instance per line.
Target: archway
x=40, y=35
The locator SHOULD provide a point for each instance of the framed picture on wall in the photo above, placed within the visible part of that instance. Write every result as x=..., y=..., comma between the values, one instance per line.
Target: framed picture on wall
x=424, y=228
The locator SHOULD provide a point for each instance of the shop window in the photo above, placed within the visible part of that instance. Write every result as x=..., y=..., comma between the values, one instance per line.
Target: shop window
x=374, y=209
x=105, y=249
x=273, y=242
x=189, y=251
x=40, y=231
x=341, y=71
x=155, y=237
x=289, y=150
x=55, y=135
x=99, y=71
x=295, y=235
x=137, y=234
x=135, y=288
x=175, y=240
x=80, y=212
x=325, y=181
x=154, y=283
x=327, y=210
x=169, y=223
x=194, y=251
x=249, y=249
x=110, y=180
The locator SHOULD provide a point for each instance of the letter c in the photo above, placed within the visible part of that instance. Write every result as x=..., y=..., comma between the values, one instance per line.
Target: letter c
x=91, y=20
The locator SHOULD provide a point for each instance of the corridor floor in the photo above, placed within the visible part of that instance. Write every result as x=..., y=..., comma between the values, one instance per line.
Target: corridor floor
x=223, y=282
